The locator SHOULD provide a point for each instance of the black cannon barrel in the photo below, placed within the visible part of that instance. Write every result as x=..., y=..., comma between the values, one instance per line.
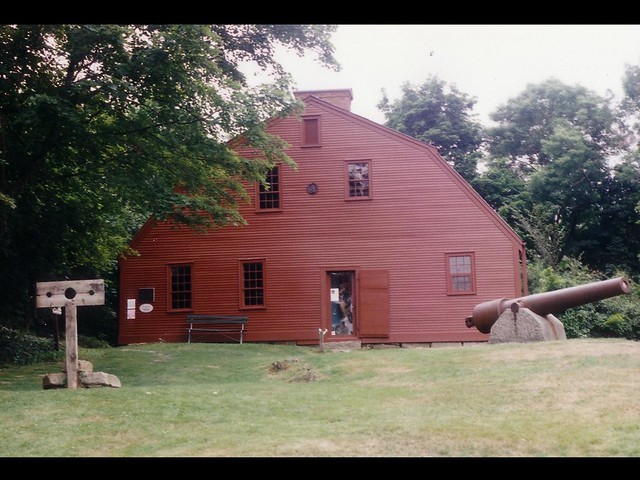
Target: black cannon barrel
x=485, y=314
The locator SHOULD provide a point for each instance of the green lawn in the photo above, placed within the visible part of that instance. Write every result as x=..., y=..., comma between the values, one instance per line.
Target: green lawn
x=575, y=398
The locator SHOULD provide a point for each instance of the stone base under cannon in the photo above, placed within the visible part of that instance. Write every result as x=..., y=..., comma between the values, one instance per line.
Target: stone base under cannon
x=526, y=326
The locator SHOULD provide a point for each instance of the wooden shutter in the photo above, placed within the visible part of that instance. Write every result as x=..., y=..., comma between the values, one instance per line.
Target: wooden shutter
x=373, y=303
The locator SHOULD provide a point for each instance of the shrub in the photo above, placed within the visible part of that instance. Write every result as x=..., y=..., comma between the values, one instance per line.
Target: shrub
x=17, y=348
x=92, y=342
x=579, y=321
x=614, y=317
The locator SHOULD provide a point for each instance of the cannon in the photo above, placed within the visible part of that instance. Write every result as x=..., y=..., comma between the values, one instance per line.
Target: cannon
x=543, y=306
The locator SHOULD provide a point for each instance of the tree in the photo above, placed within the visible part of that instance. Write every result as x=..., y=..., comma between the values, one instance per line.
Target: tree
x=526, y=120
x=500, y=186
x=619, y=228
x=621, y=219
x=564, y=142
x=630, y=112
x=438, y=114
x=102, y=126
x=572, y=189
x=631, y=88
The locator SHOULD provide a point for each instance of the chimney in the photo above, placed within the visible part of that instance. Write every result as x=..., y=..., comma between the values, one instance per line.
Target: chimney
x=340, y=98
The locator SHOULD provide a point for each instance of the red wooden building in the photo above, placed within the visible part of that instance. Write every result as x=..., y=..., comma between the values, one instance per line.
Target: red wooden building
x=374, y=238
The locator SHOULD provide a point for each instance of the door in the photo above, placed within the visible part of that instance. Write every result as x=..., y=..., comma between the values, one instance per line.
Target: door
x=341, y=303
x=373, y=303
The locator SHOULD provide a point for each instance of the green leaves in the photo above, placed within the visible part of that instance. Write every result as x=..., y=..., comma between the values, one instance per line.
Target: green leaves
x=438, y=114
x=102, y=126
x=526, y=120
x=564, y=142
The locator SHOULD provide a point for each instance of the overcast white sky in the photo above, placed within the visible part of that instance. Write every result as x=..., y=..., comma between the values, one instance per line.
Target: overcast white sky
x=492, y=63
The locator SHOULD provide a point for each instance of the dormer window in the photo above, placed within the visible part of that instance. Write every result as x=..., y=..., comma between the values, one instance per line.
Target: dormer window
x=311, y=131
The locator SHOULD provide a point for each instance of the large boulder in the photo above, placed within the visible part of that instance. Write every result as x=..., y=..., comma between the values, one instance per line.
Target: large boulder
x=99, y=379
x=54, y=380
x=86, y=378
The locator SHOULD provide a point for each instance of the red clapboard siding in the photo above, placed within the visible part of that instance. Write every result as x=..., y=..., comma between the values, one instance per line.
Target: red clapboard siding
x=420, y=209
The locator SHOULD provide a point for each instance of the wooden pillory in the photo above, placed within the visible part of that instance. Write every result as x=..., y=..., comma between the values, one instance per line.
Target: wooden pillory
x=70, y=295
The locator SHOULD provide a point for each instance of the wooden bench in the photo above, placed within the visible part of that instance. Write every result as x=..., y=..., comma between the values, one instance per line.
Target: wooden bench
x=223, y=324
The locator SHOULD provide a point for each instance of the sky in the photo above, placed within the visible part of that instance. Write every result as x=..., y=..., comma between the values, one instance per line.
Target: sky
x=492, y=63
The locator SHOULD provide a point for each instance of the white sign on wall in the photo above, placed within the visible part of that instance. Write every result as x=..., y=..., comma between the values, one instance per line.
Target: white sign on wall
x=146, y=308
x=335, y=294
x=131, y=308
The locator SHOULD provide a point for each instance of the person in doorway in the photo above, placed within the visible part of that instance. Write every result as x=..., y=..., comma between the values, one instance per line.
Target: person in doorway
x=346, y=307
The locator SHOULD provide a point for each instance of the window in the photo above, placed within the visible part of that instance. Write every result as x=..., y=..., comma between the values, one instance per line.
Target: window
x=269, y=194
x=358, y=180
x=311, y=131
x=252, y=283
x=146, y=295
x=180, y=287
x=460, y=274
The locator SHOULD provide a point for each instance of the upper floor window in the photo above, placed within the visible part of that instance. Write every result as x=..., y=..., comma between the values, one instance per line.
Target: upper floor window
x=460, y=274
x=180, y=287
x=310, y=131
x=252, y=283
x=269, y=193
x=358, y=180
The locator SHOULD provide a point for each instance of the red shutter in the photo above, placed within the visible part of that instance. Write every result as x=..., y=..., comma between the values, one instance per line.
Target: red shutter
x=373, y=303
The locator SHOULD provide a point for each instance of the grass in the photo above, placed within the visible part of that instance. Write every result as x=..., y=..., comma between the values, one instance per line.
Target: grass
x=575, y=398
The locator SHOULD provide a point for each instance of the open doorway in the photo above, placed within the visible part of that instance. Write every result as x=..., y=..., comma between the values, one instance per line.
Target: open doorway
x=342, y=303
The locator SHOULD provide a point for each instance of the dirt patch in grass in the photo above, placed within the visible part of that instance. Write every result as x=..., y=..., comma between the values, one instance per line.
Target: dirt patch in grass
x=282, y=365
x=295, y=371
x=308, y=376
